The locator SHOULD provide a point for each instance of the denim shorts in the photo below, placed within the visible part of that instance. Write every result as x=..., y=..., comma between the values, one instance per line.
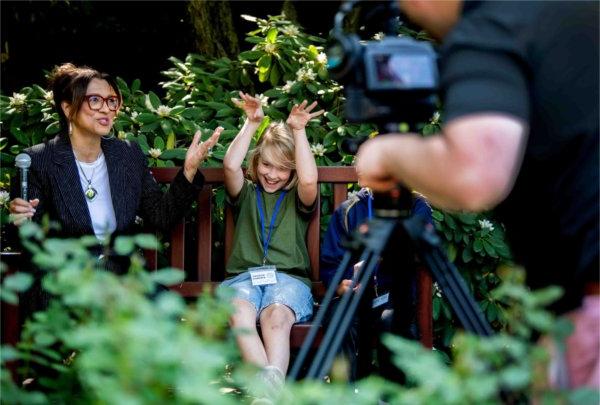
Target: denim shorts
x=288, y=291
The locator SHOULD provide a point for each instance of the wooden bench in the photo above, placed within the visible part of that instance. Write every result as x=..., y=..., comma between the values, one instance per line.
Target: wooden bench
x=338, y=177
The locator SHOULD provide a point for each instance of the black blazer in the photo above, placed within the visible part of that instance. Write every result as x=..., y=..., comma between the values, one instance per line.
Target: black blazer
x=54, y=179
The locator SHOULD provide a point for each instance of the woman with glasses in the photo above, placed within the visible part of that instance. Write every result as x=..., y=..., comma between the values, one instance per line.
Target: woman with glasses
x=95, y=184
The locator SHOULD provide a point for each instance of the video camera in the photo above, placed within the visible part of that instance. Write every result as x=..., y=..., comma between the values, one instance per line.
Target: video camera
x=389, y=81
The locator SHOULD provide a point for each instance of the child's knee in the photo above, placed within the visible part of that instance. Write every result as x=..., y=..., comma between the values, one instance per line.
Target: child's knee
x=278, y=316
x=244, y=314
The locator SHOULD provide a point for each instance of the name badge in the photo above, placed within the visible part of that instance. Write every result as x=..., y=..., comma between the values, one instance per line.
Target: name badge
x=379, y=301
x=263, y=275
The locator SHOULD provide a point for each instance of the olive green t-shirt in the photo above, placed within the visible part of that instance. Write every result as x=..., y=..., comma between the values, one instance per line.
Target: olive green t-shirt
x=287, y=247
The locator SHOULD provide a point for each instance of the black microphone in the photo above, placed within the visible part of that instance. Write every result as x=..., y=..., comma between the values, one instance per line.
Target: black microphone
x=23, y=161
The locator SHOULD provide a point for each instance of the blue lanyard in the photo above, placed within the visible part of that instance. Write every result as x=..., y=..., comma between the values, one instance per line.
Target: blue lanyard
x=261, y=214
x=370, y=205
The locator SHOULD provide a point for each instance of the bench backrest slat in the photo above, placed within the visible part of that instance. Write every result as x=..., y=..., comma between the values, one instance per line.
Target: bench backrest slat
x=204, y=232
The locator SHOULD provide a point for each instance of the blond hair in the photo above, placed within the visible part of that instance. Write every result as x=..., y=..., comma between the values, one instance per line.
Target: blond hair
x=276, y=145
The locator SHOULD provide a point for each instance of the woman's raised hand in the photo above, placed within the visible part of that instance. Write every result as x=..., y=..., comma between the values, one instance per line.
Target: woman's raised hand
x=251, y=105
x=21, y=210
x=197, y=152
x=301, y=114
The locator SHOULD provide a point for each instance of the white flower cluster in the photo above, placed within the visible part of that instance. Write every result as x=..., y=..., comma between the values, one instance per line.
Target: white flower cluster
x=163, y=110
x=264, y=100
x=305, y=75
x=290, y=30
x=288, y=86
x=322, y=58
x=4, y=197
x=122, y=135
x=17, y=100
x=134, y=115
x=378, y=36
x=317, y=149
x=270, y=48
x=436, y=117
x=437, y=290
x=154, y=152
x=485, y=224
x=46, y=117
x=49, y=96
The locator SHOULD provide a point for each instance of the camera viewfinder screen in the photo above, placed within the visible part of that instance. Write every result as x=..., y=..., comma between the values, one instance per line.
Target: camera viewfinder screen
x=404, y=71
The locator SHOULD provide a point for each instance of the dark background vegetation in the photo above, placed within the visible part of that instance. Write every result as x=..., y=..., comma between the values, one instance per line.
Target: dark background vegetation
x=130, y=39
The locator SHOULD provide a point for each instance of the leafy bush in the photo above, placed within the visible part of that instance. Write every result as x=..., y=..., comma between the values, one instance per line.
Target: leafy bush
x=103, y=340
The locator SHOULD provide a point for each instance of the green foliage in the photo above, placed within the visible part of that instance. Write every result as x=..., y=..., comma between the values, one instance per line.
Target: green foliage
x=103, y=340
x=476, y=245
x=12, y=284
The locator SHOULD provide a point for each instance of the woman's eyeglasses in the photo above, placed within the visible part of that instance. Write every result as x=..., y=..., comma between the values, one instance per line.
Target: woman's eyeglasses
x=96, y=101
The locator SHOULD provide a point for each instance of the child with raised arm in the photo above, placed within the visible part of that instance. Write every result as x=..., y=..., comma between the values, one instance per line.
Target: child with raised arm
x=269, y=263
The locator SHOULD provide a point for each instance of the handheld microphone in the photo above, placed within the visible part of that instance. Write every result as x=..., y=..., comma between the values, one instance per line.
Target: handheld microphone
x=23, y=161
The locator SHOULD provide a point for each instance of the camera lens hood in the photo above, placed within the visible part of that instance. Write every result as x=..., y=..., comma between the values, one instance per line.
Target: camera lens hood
x=342, y=55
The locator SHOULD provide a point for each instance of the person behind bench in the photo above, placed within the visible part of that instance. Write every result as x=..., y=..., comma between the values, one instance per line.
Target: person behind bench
x=356, y=347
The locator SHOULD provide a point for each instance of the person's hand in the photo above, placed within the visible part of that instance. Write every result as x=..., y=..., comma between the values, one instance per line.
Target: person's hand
x=346, y=284
x=370, y=165
x=343, y=287
x=197, y=152
x=301, y=114
x=251, y=105
x=21, y=210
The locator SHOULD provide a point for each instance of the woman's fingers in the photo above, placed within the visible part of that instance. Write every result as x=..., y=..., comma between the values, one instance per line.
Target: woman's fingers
x=210, y=142
x=195, y=140
x=18, y=206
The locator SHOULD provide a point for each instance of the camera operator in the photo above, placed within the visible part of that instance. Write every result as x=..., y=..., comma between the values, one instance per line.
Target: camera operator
x=519, y=85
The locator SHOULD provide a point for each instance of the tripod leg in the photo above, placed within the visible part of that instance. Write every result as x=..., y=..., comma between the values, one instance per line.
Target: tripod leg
x=454, y=288
x=318, y=319
x=319, y=370
x=335, y=326
x=445, y=273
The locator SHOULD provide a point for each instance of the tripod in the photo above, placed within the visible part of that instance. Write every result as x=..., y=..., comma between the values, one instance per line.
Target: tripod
x=379, y=238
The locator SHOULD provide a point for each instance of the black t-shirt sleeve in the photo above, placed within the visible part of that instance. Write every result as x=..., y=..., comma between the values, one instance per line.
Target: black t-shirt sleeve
x=480, y=80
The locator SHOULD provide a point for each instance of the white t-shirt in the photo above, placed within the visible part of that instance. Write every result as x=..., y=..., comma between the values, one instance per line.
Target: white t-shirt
x=101, y=207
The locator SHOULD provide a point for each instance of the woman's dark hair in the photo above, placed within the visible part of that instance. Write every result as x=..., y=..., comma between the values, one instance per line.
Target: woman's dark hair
x=69, y=83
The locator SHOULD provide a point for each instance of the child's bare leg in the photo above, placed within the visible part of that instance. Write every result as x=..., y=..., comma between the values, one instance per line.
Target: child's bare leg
x=276, y=322
x=249, y=342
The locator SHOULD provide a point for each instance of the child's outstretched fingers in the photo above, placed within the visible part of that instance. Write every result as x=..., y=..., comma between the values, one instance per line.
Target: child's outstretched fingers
x=316, y=114
x=239, y=103
x=311, y=106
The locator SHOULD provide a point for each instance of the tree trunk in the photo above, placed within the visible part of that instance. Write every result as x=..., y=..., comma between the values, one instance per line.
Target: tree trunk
x=215, y=35
x=289, y=10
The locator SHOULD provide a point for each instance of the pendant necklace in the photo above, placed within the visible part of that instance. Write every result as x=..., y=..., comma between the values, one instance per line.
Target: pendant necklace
x=90, y=192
